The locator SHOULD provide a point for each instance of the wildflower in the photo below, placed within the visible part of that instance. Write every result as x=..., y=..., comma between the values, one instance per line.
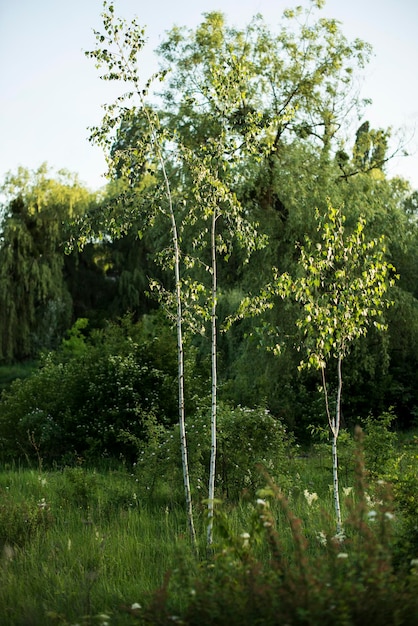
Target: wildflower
x=246, y=539
x=372, y=515
x=322, y=538
x=42, y=504
x=414, y=562
x=390, y=516
x=339, y=537
x=310, y=497
x=342, y=555
x=136, y=606
x=347, y=491
x=261, y=502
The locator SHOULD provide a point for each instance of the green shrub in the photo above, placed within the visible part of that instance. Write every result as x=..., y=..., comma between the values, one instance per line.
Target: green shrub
x=80, y=400
x=379, y=442
x=245, y=438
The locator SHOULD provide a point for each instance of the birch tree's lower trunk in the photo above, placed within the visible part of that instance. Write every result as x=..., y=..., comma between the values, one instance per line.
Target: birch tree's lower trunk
x=335, y=483
x=334, y=424
x=335, y=428
x=180, y=359
x=182, y=419
x=212, y=464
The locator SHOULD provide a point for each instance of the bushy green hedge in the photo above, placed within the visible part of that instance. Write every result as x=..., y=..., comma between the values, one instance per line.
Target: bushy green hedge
x=245, y=438
x=80, y=399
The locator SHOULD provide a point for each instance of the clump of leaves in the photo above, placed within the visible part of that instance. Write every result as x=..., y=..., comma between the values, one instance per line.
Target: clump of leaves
x=246, y=436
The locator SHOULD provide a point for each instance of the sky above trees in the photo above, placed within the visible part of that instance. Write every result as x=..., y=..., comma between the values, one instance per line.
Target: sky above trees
x=50, y=93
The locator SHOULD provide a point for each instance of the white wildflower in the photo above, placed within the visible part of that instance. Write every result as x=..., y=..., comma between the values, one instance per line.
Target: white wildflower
x=310, y=497
x=246, y=539
x=136, y=606
x=372, y=515
x=347, y=491
x=342, y=555
x=322, y=538
x=339, y=537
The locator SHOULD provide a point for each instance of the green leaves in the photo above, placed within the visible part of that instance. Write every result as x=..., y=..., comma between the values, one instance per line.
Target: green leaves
x=342, y=283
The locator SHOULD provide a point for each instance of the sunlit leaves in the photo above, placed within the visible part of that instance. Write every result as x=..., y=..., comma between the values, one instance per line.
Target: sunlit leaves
x=341, y=287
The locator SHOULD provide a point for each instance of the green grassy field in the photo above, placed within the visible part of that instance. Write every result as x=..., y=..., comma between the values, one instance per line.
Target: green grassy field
x=85, y=547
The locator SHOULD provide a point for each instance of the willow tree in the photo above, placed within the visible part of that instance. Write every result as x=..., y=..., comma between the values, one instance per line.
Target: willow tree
x=35, y=304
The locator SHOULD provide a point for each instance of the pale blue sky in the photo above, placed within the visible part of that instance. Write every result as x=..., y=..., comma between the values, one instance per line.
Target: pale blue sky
x=50, y=93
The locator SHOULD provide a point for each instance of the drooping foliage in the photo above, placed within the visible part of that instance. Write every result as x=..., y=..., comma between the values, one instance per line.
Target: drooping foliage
x=35, y=303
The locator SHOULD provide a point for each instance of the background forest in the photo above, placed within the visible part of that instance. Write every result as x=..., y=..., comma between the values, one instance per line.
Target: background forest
x=258, y=129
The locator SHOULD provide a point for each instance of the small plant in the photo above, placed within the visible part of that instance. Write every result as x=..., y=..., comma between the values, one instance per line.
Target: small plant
x=379, y=442
x=20, y=521
x=80, y=487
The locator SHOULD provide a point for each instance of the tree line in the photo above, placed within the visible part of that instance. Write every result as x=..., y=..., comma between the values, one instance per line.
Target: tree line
x=219, y=167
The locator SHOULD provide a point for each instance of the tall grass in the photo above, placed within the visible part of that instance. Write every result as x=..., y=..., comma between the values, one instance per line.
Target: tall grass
x=85, y=547
x=91, y=547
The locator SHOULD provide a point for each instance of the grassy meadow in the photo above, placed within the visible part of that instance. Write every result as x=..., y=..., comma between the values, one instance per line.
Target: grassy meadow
x=82, y=546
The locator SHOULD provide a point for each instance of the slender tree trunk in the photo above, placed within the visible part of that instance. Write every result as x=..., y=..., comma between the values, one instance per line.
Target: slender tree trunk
x=335, y=482
x=335, y=432
x=212, y=465
x=180, y=359
x=334, y=424
x=180, y=343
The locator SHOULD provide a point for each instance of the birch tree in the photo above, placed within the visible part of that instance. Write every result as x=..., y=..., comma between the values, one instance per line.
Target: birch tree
x=341, y=285
x=116, y=51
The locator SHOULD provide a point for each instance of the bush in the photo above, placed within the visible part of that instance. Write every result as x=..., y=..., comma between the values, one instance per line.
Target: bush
x=379, y=442
x=80, y=400
x=20, y=521
x=245, y=438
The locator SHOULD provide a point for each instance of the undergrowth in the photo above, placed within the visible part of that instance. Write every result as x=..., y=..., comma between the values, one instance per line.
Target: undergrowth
x=80, y=546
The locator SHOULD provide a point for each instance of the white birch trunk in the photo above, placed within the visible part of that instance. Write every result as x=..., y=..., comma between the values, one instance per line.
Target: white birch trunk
x=335, y=432
x=180, y=346
x=212, y=464
x=334, y=424
x=180, y=359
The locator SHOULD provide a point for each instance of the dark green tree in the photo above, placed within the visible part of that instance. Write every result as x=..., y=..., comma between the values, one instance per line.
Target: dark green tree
x=35, y=303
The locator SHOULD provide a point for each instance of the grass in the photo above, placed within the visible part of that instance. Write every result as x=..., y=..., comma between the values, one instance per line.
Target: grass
x=79, y=545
